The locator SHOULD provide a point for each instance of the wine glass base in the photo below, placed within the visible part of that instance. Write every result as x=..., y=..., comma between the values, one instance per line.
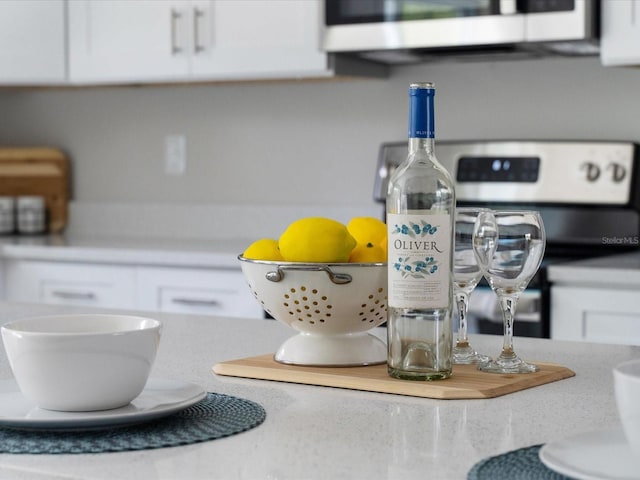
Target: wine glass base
x=509, y=365
x=468, y=356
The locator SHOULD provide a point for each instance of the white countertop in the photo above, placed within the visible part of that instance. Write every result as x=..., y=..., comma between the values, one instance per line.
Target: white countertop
x=328, y=433
x=189, y=235
x=621, y=270
x=214, y=253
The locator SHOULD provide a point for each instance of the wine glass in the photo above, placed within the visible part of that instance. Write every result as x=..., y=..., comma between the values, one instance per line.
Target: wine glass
x=466, y=275
x=509, y=246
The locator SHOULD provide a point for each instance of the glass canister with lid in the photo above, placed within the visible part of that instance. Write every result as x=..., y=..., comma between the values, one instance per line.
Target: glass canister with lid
x=7, y=215
x=32, y=214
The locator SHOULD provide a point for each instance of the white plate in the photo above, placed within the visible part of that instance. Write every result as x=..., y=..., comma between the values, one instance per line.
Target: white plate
x=599, y=455
x=159, y=398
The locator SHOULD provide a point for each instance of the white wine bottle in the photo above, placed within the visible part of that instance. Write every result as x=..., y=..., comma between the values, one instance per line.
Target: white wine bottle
x=420, y=222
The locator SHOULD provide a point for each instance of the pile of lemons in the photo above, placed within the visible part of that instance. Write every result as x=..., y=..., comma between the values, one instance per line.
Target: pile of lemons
x=323, y=240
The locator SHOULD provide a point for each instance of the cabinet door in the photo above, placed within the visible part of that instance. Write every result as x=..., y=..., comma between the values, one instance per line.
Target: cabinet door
x=166, y=40
x=620, y=35
x=32, y=42
x=128, y=41
x=595, y=314
x=256, y=39
x=196, y=291
x=70, y=284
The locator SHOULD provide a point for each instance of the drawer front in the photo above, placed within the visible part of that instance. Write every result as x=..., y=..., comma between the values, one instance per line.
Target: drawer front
x=212, y=301
x=612, y=327
x=197, y=291
x=595, y=315
x=82, y=293
x=70, y=284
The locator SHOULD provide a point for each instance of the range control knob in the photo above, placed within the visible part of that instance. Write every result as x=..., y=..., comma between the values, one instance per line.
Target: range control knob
x=593, y=171
x=618, y=172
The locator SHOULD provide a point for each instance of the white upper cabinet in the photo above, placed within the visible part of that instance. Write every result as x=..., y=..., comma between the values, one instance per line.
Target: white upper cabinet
x=246, y=38
x=120, y=41
x=32, y=42
x=620, y=33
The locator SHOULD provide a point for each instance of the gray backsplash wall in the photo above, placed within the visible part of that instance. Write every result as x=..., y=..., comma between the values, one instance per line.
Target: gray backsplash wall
x=305, y=143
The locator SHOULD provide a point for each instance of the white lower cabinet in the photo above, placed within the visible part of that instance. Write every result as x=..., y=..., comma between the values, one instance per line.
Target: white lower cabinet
x=196, y=291
x=595, y=314
x=64, y=283
x=204, y=291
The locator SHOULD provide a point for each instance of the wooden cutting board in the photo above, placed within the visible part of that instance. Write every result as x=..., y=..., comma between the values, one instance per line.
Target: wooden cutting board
x=466, y=382
x=38, y=171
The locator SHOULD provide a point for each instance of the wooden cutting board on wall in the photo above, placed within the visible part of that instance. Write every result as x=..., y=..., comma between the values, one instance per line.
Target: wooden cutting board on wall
x=38, y=171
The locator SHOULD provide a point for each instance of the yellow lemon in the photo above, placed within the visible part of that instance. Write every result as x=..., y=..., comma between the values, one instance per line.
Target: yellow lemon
x=368, y=253
x=367, y=230
x=316, y=239
x=384, y=245
x=263, y=249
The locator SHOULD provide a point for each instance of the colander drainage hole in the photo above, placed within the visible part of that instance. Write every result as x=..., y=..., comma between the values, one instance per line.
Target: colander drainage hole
x=310, y=307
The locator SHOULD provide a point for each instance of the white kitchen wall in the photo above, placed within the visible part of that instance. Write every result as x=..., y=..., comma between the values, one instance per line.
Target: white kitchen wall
x=296, y=146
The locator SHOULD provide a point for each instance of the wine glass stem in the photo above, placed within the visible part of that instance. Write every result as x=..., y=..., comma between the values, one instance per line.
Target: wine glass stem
x=462, y=301
x=508, y=304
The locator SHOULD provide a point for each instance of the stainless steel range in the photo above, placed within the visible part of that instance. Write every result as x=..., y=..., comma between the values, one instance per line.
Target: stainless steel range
x=587, y=192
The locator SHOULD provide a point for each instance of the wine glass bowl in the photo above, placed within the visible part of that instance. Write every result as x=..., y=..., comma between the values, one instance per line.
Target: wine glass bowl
x=466, y=275
x=509, y=247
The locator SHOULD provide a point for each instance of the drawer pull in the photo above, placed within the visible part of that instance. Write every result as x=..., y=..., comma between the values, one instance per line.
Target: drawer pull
x=74, y=295
x=197, y=15
x=196, y=302
x=175, y=16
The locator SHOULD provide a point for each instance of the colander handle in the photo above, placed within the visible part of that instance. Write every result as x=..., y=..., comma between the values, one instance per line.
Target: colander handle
x=337, y=278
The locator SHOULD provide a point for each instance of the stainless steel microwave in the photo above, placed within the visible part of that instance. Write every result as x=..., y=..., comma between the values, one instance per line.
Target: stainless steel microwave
x=397, y=30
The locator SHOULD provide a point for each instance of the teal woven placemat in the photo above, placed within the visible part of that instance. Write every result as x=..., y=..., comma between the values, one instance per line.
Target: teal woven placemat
x=213, y=417
x=521, y=464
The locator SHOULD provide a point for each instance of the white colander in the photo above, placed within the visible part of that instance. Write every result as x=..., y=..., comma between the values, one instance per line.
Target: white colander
x=332, y=306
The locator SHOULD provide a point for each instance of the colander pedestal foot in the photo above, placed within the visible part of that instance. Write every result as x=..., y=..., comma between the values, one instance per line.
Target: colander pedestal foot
x=357, y=349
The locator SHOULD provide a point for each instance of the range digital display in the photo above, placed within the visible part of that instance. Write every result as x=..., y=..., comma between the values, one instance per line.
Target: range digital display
x=498, y=169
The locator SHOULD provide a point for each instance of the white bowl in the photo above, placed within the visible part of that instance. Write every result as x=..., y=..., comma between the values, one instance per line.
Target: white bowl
x=626, y=377
x=332, y=306
x=81, y=362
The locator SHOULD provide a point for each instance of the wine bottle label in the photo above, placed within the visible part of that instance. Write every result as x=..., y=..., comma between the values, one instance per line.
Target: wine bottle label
x=419, y=260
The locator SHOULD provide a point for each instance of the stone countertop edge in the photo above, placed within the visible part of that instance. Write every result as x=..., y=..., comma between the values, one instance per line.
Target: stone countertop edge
x=614, y=270
x=212, y=253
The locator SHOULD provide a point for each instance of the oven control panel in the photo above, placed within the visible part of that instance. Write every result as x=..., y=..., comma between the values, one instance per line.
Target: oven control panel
x=498, y=168
x=558, y=172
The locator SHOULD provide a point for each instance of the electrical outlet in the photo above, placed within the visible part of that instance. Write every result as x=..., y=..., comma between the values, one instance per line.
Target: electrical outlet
x=175, y=154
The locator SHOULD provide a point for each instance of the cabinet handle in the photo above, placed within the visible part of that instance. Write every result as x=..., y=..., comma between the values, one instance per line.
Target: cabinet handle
x=196, y=302
x=197, y=15
x=74, y=295
x=175, y=16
